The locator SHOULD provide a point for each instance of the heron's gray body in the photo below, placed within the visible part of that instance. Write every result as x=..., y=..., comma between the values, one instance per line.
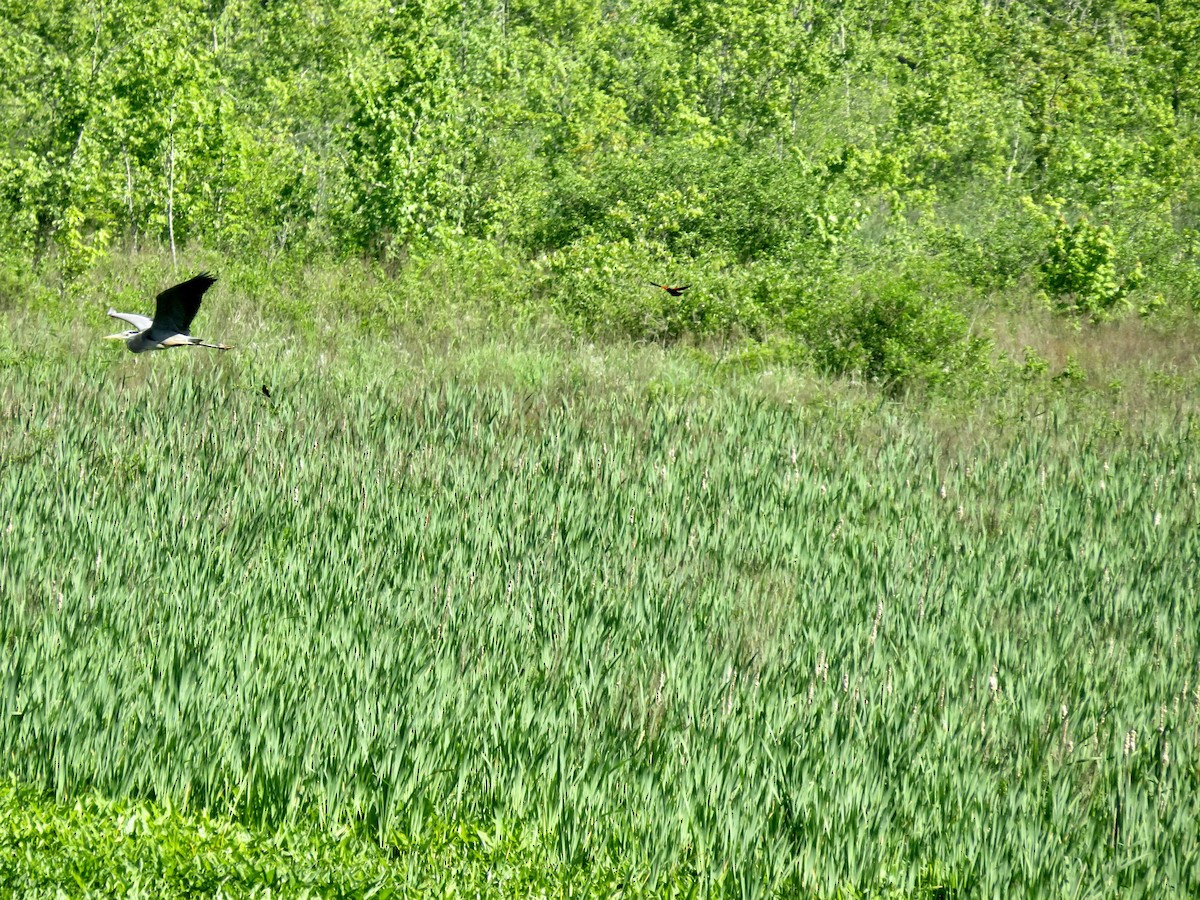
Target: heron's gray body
x=176, y=307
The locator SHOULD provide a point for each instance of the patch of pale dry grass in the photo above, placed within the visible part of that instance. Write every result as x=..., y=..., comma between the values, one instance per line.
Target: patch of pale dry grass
x=1123, y=349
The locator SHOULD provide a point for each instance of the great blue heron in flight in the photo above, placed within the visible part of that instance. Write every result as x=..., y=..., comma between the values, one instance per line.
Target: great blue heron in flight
x=173, y=314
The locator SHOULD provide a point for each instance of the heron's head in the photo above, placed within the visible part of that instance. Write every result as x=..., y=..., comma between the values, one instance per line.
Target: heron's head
x=121, y=336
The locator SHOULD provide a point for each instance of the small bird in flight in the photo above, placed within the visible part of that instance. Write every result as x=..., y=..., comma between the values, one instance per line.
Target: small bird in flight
x=673, y=290
x=173, y=313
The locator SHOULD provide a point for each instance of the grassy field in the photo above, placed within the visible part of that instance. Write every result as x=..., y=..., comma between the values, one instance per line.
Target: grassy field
x=643, y=623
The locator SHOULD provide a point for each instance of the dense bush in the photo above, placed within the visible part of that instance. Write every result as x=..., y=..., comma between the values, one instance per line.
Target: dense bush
x=1080, y=271
x=900, y=331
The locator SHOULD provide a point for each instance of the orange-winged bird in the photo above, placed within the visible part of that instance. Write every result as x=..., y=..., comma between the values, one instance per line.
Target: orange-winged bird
x=673, y=290
x=173, y=313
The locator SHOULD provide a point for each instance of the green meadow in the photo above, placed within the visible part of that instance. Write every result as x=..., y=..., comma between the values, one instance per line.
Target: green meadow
x=862, y=562
x=528, y=614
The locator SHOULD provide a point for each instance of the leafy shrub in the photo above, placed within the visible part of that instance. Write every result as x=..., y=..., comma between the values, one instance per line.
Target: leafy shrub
x=1080, y=271
x=1035, y=365
x=989, y=241
x=1153, y=239
x=1072, y=371
x=602, y=287
x=898, y=331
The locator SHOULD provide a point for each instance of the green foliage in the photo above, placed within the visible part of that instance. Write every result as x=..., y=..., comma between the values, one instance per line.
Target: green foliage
x=652, y=625
x=696, y=200
x=1034, y=366
x=604, y=288
x=993, y=244
x=716, y=134
x=899, y=331
x=1080, y=271
x=1072, y=372
x=406, y=136
x=118, y=849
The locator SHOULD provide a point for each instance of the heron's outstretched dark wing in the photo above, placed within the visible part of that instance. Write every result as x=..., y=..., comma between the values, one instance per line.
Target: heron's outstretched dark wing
x=177, y=306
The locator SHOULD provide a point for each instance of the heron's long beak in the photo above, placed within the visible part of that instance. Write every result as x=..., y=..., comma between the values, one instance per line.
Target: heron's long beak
x=117, y=337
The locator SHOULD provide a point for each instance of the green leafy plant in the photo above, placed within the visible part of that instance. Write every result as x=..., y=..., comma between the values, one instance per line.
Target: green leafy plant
x=900, y=332
x=1080, y=271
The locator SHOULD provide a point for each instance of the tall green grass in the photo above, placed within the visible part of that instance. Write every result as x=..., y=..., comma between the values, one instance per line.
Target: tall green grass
x=699, y=628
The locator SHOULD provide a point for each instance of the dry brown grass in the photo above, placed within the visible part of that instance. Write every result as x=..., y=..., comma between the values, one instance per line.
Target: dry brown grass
x=1123, y=349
